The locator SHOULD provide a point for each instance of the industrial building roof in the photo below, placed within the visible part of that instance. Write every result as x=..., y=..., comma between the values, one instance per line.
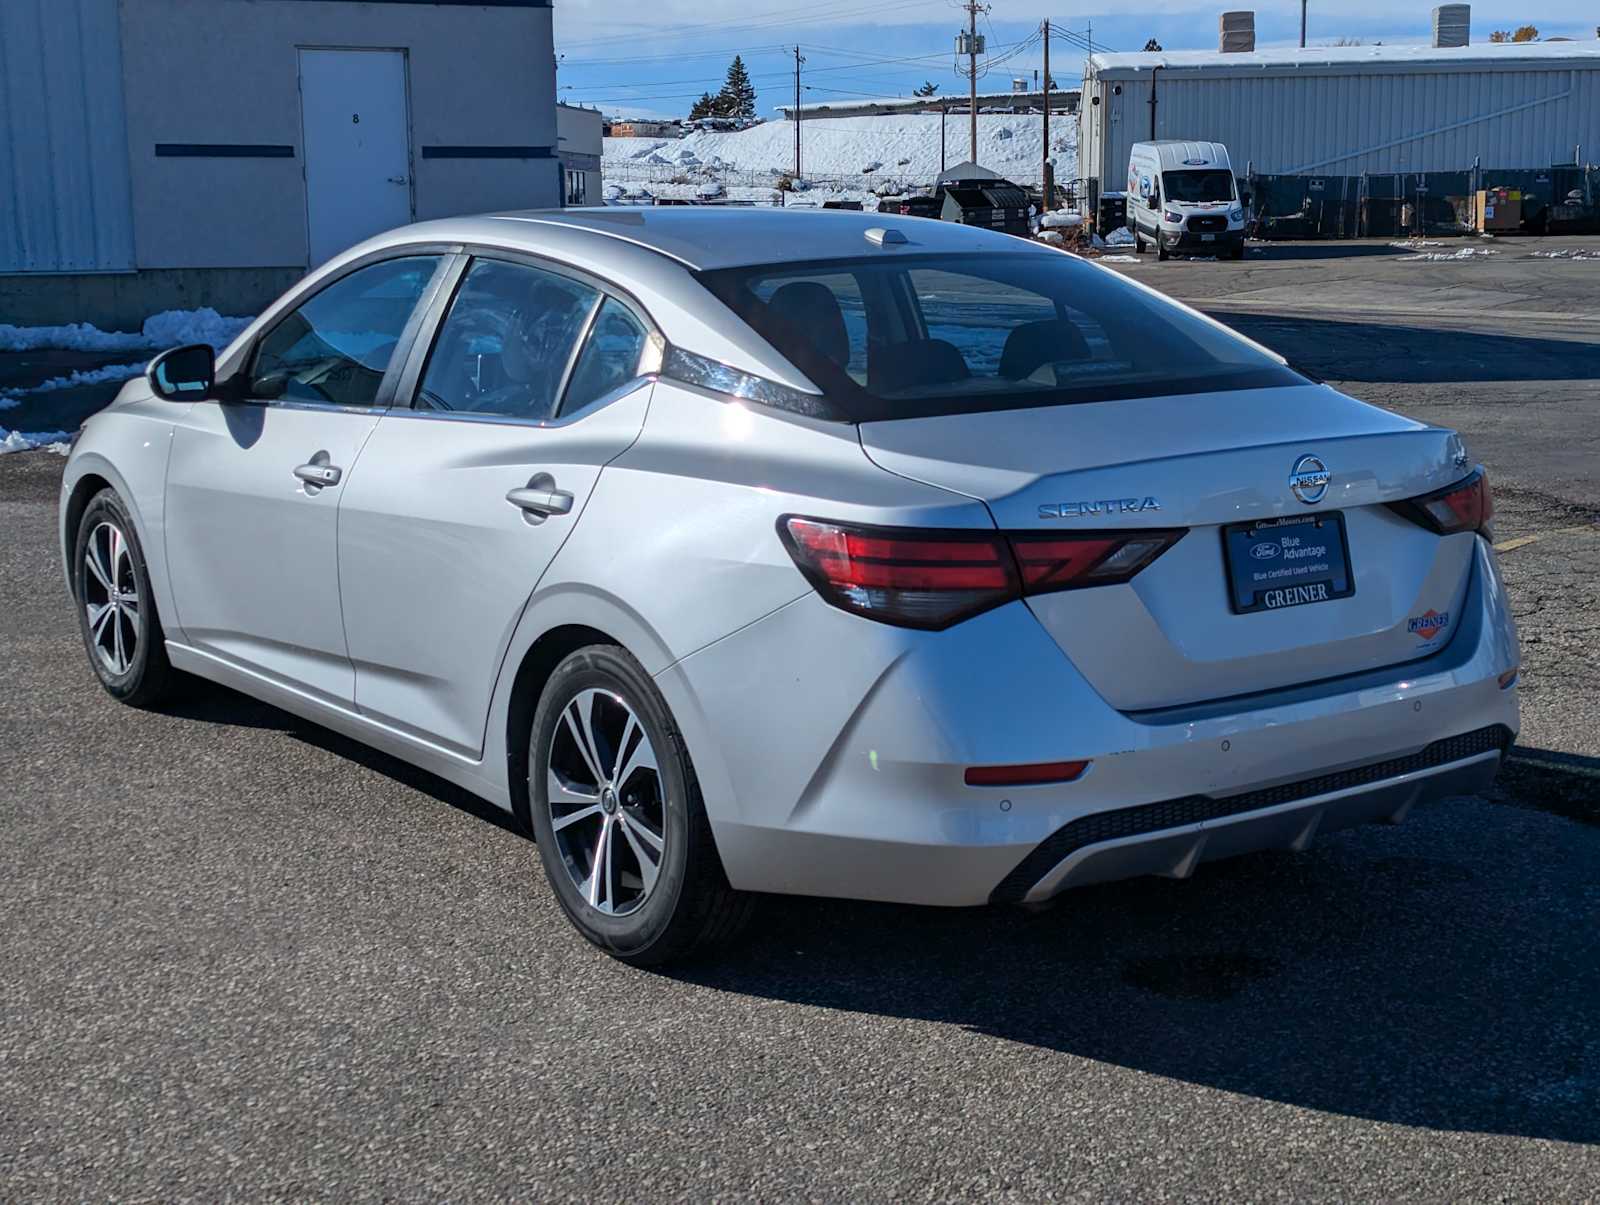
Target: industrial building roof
x=1520, y=55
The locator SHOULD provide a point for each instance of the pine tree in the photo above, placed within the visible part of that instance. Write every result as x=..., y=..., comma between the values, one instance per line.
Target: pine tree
x=928, y=89
x=706, y=106
x=738, y=96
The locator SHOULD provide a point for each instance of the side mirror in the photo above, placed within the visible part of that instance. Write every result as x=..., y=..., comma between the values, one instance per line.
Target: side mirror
x=183, y=374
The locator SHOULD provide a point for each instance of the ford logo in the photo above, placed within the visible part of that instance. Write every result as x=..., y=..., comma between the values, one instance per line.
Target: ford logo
x=1308, y=480
x=1265, y=551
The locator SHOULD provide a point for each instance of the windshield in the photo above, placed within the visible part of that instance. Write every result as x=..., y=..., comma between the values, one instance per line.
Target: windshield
x=1210, y=184
x=919, y=335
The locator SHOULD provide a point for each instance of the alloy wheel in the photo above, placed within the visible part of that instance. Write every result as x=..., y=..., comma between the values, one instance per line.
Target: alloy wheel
x=111, y=597
x=607, y=804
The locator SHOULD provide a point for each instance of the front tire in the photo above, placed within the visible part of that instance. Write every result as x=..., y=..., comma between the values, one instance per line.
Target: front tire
x=116, y=608
x=617, y=812
x=1161, y=246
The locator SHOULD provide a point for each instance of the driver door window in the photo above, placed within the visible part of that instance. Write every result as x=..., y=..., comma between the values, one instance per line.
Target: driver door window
x=335, y=348
x=505, y=346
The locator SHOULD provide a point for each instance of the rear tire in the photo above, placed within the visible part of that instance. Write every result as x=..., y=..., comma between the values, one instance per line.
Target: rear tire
x=1138, y=243
x=632, y=863
x=116, y=609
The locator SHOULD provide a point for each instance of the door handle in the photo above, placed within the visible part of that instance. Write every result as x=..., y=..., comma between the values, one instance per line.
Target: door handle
x=399, y=180
x=318, y=474
x=548, y=501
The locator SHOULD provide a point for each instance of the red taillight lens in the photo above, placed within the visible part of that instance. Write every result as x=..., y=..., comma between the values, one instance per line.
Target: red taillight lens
x=1468, y=505
x=1051, y=562
x=932, y=579
x=912, y=578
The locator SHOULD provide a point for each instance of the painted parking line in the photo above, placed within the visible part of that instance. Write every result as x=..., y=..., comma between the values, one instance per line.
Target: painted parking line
x=1524, y=541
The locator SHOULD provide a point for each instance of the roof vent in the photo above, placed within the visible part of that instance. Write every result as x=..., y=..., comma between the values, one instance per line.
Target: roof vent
x=879, y=237
x=1452, y=25
x=1237, y=32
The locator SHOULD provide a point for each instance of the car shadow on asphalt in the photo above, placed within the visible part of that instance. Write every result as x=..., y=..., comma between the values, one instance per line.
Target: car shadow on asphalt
x=1394, y=353
x=217, y=704
x=1382, y=974
x=1374, y=976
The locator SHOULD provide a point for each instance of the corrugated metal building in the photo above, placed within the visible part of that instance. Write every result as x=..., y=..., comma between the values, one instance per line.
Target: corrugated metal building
x=1348, y=110
x=165, y=153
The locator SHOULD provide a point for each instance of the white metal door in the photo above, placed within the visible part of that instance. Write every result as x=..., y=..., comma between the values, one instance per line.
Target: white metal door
x=357, y=146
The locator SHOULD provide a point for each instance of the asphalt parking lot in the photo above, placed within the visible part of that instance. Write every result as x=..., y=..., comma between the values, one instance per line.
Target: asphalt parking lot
x=245, y=958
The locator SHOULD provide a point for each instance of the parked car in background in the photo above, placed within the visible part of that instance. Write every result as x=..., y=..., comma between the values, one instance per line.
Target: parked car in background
x=820, y=553
x=1182, y=197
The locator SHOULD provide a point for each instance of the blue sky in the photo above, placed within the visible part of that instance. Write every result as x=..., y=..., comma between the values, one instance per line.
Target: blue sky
x=654, y=58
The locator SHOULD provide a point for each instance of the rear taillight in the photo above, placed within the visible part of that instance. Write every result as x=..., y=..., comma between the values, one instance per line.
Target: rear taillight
x=1468, y=505
x=932, y=579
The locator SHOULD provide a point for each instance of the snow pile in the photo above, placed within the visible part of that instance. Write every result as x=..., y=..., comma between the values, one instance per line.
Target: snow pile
x=1570, y=253
x=847, y=154
x=1061, y=221
x=171, y=328
x=20, y=441
x=92, y=376
x=1120, y=237
x=1435, y=256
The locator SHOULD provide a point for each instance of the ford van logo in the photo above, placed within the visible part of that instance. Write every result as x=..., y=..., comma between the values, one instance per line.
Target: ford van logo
x=1308, y=480
x=1265, y=551
x=1194, y=162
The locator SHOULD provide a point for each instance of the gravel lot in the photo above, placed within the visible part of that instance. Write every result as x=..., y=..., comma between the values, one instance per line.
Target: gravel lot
x=244, y=957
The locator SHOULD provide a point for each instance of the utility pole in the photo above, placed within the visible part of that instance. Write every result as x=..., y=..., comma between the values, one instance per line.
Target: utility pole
x=1046, y=173
x=972, y=72
x=798, y=59
x=1303, y=23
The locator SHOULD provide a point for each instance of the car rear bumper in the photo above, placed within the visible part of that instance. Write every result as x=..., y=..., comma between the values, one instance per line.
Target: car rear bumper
x=831, y=753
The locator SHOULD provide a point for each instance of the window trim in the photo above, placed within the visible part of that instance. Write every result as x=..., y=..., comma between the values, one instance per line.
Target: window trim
x=409, y=384
x=242, y=370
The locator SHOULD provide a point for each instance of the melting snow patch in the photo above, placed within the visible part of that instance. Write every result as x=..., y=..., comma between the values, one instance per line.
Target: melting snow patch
x=1568, y=253
x=1416, y=244
x=1120, y=237
x=171, y=328
x=1463, y=253
x=27, y=441
x=93, y=376
x=1119, y=259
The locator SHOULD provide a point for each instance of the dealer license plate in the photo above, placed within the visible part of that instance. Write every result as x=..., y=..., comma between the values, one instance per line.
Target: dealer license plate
x=1287, y=562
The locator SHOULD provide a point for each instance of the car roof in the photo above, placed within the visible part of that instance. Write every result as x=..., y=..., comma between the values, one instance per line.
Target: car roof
x=706, y=237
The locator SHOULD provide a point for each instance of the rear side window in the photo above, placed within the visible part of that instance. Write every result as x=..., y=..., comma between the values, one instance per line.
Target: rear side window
x=504, y=347
x=610, y=356
x=956, y=334
x=335, y=347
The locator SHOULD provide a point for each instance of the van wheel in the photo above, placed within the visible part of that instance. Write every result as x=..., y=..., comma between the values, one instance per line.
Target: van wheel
x=1161, y=246
x=1138, y=243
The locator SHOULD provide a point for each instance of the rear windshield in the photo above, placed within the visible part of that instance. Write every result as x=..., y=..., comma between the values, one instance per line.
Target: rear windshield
x=915, y=336
x=1197, y=187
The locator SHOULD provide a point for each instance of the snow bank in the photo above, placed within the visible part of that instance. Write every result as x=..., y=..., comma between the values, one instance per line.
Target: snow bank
x=92, y=376
x=843, y=150
x=171, y=328
x=1061, y=221
x=27, y=441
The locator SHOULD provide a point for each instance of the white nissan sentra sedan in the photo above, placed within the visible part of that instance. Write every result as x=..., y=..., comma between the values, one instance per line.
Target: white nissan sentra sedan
x=827, y=553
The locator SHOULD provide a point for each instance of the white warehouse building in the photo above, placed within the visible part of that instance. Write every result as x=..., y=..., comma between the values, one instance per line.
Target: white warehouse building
x=178, y=153
x=1346, y=111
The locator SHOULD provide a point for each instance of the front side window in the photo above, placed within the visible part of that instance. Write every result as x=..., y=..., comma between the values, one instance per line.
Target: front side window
x=336, y=347
x=919, y=335
x=504, y=347
x=1198, y=187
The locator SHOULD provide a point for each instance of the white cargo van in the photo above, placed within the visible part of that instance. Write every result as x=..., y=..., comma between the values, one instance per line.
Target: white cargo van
x=1183, y=198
